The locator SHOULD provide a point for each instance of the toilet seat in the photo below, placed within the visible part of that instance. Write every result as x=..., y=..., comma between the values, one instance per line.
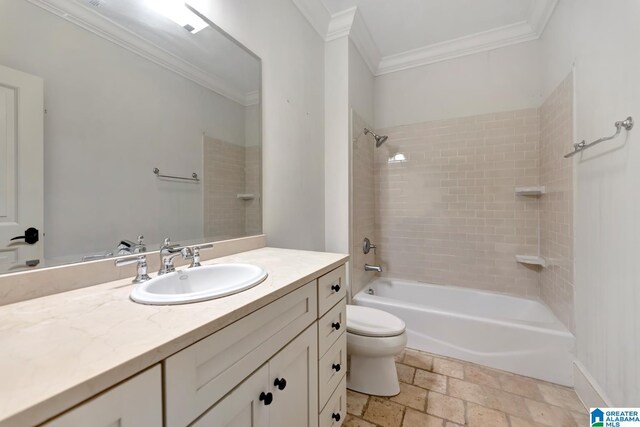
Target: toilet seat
x=371, y=322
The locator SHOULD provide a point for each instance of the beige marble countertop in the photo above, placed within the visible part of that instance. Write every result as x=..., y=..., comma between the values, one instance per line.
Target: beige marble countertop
x=59, y=350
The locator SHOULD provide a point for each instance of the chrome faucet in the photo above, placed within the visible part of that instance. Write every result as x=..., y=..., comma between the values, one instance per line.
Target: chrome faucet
x=169, y=252
x=141, y=275
x=377, y=268
x=127, y=247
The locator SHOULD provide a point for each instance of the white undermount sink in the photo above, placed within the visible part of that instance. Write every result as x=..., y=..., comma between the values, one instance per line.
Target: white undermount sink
x=198, y=284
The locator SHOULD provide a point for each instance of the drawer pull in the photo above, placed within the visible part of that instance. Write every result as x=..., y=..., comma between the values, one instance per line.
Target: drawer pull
x=267, y=398
x=336, y=367
x=335, y=288
x=336, y=326
x=281, y=383
x=336, y=416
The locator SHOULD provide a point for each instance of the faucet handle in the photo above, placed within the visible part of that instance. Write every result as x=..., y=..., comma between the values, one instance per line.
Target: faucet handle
x=142, y=274
x=195, y=254
x=367, y=246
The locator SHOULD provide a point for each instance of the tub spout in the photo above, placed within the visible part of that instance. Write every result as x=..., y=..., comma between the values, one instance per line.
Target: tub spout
x=377, y=268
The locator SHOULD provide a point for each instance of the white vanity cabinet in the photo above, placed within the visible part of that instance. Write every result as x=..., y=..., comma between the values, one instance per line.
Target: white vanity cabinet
x=133, y=403
x=281, y=393
x=282, y=365
x=234, y=377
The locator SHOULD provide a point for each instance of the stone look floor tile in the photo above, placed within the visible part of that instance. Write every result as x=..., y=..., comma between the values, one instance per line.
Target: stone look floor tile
x=448, y=368
x=523, y=386
x=405, y=373
x=443, y=392
x=467, y=391
x=519, y=422
x=479, y=416
x=400, y=356
x=482, y=376
x=561, y=396
x=352, y=421
x=418, y=359
x=550, y=415
x=430, y=381
x=356, y=402
x=384, y=412
x=418, y=419
x=411, y=396
x=446, y=407
x=506, y=402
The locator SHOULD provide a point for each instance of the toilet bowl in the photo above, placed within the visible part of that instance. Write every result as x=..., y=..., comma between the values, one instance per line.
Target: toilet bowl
x=374, y=337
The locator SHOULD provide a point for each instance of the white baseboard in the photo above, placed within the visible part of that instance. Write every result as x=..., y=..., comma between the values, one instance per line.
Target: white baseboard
x=588, y=389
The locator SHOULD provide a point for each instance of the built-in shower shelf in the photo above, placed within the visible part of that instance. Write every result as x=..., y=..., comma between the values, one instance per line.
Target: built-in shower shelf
x=530, y=191
x=531, y=260
x=246, y=196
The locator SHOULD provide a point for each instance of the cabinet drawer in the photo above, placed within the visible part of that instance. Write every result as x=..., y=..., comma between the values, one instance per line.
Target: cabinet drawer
x=198, y=376
x=136, y=402
x=332, y=368
x=331, y=289
x=331, y=326
x=335, y=411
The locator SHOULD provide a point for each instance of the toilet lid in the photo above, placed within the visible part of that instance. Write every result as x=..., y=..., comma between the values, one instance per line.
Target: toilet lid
x=371, y=322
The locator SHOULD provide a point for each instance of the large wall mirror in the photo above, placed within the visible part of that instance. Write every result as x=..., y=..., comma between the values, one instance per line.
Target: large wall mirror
x=119, y=119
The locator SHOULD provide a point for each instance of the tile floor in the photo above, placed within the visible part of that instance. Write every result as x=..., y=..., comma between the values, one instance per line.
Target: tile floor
x=437, y=391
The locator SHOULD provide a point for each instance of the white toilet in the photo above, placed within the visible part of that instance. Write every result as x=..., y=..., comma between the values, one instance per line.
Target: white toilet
x=374, y=337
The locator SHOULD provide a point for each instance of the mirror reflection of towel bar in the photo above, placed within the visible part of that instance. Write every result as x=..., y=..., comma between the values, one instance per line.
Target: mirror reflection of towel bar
x=194, y=176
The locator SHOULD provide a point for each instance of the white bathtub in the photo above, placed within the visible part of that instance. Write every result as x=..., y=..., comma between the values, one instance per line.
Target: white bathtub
x=513, y=334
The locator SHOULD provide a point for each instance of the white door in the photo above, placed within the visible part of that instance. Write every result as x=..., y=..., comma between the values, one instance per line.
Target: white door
x=21, y=167
x=293, y=374
x=247, y=405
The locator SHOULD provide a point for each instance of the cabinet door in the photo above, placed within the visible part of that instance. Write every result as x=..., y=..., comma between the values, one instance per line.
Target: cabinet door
x=243, y=406
x=134, y=403
x=293, y=376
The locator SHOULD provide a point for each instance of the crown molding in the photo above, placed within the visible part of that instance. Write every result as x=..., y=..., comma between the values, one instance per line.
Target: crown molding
x=540, y=14
x=363, y=41
x=340, y=24
x=105, y=28
x=468, y=45
x=350, y=23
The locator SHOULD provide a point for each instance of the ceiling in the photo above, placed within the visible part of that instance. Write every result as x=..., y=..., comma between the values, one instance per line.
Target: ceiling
x=398, y=34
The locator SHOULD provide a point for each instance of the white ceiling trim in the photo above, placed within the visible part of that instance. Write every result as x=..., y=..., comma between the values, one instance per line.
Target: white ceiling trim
x=349, y=22
x=340, y=24
x=468, y=45
x=363, y=41
x=115, y=33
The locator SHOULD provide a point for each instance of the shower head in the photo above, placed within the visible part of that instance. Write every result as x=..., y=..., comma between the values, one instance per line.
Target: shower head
x=380, y=139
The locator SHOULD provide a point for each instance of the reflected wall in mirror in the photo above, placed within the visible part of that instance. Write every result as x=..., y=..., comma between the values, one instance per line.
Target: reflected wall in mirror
x=100, y=99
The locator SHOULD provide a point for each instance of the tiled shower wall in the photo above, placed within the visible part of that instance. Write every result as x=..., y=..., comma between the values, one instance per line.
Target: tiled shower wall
x=556, y=205
x=363, y=209
x=229, y=170
x=449, y=214
x=253, y=173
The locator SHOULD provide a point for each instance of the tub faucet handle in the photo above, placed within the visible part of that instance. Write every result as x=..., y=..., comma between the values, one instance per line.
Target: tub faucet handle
x=367, y=246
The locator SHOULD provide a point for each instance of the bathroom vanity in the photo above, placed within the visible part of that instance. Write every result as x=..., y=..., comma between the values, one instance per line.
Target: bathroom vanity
x=274, y=355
